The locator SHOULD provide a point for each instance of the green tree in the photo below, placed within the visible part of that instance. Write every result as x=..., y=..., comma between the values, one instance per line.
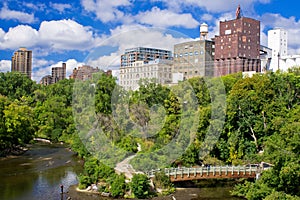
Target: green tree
x=19, y=122
x=15, y=85
x=140, y=186
x=104, y=90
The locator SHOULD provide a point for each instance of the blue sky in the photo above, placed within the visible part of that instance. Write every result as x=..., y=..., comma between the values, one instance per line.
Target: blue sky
x=97, y=32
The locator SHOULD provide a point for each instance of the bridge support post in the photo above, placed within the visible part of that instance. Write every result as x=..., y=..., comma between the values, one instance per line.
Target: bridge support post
x=188, y=175
x=175, y=175
x=226, y=170
x=195, y=173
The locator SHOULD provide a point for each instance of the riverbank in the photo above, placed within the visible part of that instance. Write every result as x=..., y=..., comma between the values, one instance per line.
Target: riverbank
x=181, y=193
x=14, y=151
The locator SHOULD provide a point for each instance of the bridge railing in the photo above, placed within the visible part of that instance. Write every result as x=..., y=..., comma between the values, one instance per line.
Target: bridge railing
x=207, y=170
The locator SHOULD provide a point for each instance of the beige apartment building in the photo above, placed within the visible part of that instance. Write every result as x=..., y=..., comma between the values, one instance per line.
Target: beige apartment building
x=21, y=61
x=159, y=71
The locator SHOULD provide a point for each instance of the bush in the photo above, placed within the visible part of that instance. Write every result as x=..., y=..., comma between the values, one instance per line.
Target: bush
x=118, y=186
x=140, y=186
x=84, y=181
x=161, y=180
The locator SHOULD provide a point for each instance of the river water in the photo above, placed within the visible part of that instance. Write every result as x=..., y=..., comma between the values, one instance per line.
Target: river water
x=39, y=173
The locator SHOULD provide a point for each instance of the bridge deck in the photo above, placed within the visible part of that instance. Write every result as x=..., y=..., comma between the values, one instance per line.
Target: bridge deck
x=214, y=172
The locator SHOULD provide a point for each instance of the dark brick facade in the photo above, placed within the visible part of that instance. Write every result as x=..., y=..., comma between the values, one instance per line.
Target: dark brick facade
x=237, y=47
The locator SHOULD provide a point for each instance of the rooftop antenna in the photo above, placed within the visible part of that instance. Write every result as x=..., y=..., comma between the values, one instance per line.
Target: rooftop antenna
x=238, y=12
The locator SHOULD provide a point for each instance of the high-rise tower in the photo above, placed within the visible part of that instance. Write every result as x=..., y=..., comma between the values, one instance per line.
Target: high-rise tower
x=277, y=41
x=22, y=61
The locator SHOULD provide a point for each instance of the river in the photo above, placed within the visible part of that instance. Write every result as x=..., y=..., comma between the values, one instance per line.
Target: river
x=39, y=173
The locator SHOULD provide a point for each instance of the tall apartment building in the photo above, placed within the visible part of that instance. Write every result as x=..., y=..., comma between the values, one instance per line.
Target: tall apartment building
x=58, y=73
x=195, y=58
x=277, y=41
x=83, y=73
x=21, y=61
x=237, y=46
x=160, y=71
x=144, y=54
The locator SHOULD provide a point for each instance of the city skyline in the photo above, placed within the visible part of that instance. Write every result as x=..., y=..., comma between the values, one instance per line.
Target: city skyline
x=68, y=32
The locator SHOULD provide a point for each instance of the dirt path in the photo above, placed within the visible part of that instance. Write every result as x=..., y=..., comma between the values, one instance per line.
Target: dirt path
x=125, y=167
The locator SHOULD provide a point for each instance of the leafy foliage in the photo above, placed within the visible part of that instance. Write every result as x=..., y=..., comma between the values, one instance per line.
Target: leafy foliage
x=140, y=186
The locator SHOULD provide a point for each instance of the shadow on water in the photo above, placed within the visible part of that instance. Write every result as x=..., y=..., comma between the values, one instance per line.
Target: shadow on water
x=38, y=173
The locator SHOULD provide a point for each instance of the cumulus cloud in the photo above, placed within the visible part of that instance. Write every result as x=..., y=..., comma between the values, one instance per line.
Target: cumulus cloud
x=21, y=35
x=5, y=65
x=66, y=34
x=106, y=10
x=52, y=35
x=207, y=17
x=61, y=7
x=166, y=18
x=35, y=6
x=7, y=14
x=291, y=25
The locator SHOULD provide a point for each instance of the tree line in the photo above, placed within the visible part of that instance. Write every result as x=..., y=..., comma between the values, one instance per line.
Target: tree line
x=261, y=123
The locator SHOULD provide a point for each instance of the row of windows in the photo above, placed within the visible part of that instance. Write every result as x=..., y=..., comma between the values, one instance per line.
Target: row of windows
x=245, y=24
x=167, y=77
x=189, y=54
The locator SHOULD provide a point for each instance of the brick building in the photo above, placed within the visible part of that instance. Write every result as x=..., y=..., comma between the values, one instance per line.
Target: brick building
x=83, y=73
x=237, y=48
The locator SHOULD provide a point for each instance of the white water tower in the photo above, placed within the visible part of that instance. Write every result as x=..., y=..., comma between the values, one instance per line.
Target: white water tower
x=203, y=31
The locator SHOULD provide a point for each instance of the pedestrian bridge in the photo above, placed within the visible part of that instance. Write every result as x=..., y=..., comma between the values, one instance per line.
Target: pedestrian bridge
x=210, y=172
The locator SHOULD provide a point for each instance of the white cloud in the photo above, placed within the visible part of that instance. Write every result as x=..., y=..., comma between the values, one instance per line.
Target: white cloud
x=166, y=18
x=66, y=34
x=207, y=17
x=61, y=7
x=5, y=65
x=52, y=35
x=35, y=6
x=7, y=14
x=18, y=36
x=106, y=10
x=291, y=25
